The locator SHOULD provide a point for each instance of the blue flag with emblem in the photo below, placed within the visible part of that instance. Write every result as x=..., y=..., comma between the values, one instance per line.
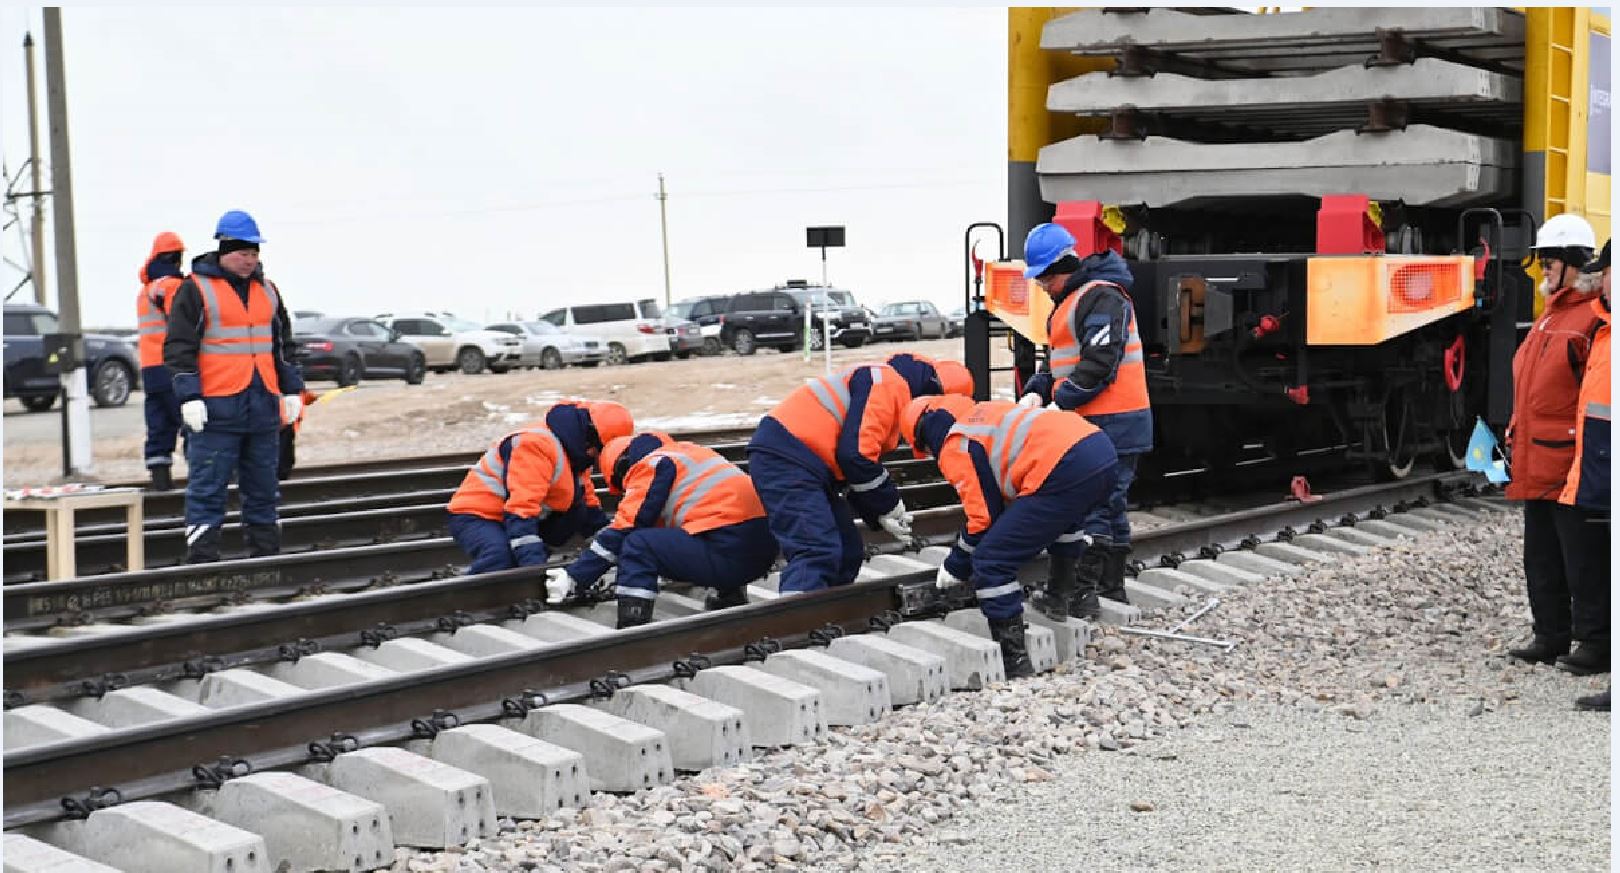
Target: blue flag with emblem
x=1485, y=455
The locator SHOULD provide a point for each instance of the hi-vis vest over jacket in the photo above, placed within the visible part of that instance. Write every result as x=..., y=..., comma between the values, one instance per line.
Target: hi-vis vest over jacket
x=236, y=339
x=1016, y=449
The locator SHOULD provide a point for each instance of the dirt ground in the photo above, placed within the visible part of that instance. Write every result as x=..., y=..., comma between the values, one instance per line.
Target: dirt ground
x=453, y=412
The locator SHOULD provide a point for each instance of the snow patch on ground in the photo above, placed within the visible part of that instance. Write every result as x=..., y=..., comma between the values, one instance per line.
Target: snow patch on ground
x=701, y=421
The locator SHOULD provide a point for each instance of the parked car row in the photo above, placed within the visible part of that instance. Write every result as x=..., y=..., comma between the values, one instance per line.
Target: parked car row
x=111, y=363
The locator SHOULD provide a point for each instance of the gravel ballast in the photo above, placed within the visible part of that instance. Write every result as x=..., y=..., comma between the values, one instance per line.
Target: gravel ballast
x=1369, y=718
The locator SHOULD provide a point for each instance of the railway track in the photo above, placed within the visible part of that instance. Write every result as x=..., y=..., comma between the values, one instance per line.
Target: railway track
x=330, y=512
x=512, y=687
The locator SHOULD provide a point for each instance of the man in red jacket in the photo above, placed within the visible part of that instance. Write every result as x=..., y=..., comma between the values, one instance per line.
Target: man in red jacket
x=1567, y=585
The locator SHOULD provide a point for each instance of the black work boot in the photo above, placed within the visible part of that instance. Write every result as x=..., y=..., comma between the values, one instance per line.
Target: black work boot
x=634, y=611
x=1587, y=659
x=1009, y=634
x=1594, y=702
x=724, y=599
x=1542, y=650
x=1061, y=581
x=1088, y=581
x=262, y=539
x=161, y=478
x=1113, y=580
x=204, y=549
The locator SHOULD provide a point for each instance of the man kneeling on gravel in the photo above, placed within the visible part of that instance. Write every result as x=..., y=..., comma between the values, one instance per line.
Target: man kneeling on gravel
x=1026, y=476
x=687, y=514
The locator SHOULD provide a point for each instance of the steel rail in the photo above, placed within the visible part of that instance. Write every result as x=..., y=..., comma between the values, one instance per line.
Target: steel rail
x=151, y=759
x=350, y=479
x=58, y=669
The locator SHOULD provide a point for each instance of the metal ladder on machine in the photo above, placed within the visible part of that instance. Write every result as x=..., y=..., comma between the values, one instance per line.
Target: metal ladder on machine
x=980, y=325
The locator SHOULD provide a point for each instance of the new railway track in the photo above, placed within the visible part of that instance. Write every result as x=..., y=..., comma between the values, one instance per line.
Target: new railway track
x=157, y=759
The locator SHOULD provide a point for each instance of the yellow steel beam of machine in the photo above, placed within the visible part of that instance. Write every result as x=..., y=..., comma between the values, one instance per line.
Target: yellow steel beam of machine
x=1030, y=72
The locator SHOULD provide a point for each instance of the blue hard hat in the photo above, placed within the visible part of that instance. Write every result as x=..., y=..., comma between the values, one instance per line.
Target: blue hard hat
x=237, y=224
x=1045, y=246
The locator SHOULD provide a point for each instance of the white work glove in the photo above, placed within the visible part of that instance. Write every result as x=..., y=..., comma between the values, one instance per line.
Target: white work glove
x=558, y=585
x=943, y=579
x=1030, y=400
x=291, y=406
x=195, y=414
x=897, y=521
x=1053, y=405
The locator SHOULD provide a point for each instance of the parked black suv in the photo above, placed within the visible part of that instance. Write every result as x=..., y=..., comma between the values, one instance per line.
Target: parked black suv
x=776, y=318
x=112, y=367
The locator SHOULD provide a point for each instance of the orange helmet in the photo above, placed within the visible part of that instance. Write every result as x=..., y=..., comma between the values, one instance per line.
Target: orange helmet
x=954, y=378
x=167, y=241
x=955, y=404
x=610, y=419
x=608, y=462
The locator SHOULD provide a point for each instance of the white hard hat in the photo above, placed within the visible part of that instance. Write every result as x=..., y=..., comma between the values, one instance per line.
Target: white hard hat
x=1566, y=231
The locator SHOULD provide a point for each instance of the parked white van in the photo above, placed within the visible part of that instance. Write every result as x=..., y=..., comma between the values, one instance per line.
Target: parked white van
x=632, y=331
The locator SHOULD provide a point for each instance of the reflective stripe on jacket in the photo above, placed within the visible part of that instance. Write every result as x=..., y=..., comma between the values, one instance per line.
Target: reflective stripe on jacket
x=236, y=339
x=708, y=491
x=1022, y=445
x=816, y=415
x=1128, y=390
x=1588, y=483
x=525, y=474
x=152, y=317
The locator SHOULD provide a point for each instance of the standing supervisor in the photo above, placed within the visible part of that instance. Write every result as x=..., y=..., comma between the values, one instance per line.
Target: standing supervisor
x=1026, y=476
x=1565, y=577
x=160, y=279
x=1096, y=371
x=688, y=514
x=230, y=349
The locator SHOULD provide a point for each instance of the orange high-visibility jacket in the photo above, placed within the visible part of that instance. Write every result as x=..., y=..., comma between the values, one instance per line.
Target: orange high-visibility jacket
x=152, y=317
x=1547, y=371
x=1588, y=483
x=236, y=339
x=1128, y=392
x=525, y=474
x=1023, y=446
x=815, y=414
x=707, y=491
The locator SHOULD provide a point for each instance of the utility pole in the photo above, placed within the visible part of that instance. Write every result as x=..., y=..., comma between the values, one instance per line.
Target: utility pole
x=36, y=273
x=663, y=225
x=69, y=348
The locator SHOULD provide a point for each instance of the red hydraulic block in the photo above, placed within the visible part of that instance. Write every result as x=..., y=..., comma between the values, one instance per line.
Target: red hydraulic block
x=1344, y=226
x=1084, y=219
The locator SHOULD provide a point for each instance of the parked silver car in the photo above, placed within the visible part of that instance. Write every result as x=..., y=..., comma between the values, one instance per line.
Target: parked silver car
x=550, y=347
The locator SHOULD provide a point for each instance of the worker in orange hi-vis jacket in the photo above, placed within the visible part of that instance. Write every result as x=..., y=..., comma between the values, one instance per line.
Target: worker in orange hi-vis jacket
x=687, y=514
x=532, y=489
x=1026, y=477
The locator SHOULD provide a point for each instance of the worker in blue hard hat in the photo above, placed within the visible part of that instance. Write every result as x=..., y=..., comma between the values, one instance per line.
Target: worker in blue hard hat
x=230, y=348
x=1096, y=369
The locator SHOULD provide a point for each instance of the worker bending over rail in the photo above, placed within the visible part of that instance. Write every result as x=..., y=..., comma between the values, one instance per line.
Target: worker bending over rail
x=1026, y=476
x=687, y=514
x=829, y=437
x=1096, y=371
x=532, y=489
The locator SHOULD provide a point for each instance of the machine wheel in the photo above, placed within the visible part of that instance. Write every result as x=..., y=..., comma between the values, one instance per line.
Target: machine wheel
x=38, y=404
x=551, y=359
x=617, y=354
x=743, y=342
x=712, y=346
x=1395, y=432
x=818, y=340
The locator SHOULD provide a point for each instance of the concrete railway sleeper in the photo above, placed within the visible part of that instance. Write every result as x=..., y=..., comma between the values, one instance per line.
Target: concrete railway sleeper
x=429, y=758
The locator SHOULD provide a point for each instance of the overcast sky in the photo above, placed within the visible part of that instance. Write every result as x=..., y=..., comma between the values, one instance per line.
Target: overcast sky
x=506, y=159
